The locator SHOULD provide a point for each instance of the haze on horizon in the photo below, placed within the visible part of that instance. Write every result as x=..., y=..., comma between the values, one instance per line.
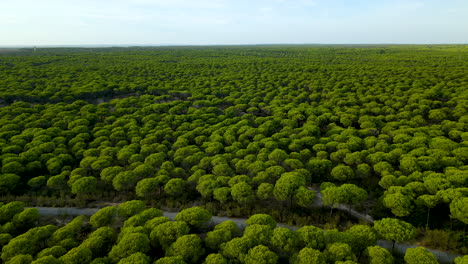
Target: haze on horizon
x=220, y=22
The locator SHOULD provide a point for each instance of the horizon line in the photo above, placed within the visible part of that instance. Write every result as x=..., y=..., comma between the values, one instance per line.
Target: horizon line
x=205, y=45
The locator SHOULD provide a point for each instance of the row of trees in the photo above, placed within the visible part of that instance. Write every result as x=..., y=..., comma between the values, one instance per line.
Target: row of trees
x=211, y=163
x=131, y=233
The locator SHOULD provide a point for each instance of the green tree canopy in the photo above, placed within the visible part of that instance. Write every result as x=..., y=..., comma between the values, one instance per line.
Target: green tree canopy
x=459, y=209
x=103, y=217
x=261, y=219
x=194, y=216
x=260, y=255
x=77, y=255
x=284, y=240
x=137, y=258
x=130, y=208
x=311, y=237
x=215, y=259
x=167, y=233
x=310, y=255
x=129, y=245
x=379, y=255
x=287, y=185
x=189, y=247
x=340, y=252
x=242, y=192
x=394, y=229
x=419, y=255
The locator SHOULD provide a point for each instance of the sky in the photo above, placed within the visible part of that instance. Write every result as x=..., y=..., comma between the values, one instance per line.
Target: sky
x=221, y=22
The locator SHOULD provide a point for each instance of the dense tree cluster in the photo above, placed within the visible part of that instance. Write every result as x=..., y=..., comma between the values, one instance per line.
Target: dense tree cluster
x=384, y=126
x=145, y=236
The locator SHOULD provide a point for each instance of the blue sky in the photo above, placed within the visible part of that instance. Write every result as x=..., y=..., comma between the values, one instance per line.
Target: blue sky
x=201, y=22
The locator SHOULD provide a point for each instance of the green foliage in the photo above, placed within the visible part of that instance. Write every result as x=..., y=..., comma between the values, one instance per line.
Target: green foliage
x=394, y=229
x=129, y=245
x=340, y=252
x=175, y=187
x=379, y=255
x=141, y=218
x=55, y=251
x=335, y=236
x=398, y=203
x=189, y=247
x=342, y=173
x=217, y=237
x=419, y=255
x=26, y=219
x=170, y=260
x=37, y=182
x=242, y=193
x=152, y=223
x=459, y=209
x=237, y=247
x=287, y=185
x=461, y=260
x=259, y=234
x=124, y=181
x=346, y=193
x=68, y=243
x=229, y=225
x=304, y=197
x=47, y=260
x=4, y=239
x=20, y=259
x=284, y=240
x=70, y=231
x=311, y=237
x=9, y=210
x=77, y=255
x=17, y=246
x=136, y=258
x=103, y=217
x=108, y=174
x=265, y=191
x=131, y=208
x=147, y=187
x=261, y=255
x=309, y=255
x=261, y=219
x=362, y=236
x=215, y=259
x=85, y=185
x=131, y=230
x=194, y=216
x=100, y=241
x=167, y=233
x=222, y=194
